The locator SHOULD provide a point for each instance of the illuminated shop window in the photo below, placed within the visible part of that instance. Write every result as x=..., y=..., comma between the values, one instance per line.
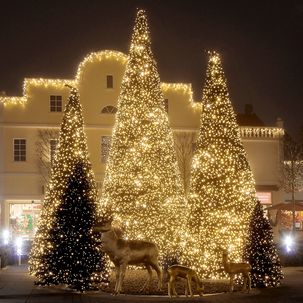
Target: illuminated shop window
x=105, y=147
x=109, y=109
x=23, y=219
x=266, y=201
x=52, y=148
x=20, y=150
x=166, y=104
x=109, y=81
x=55, y=102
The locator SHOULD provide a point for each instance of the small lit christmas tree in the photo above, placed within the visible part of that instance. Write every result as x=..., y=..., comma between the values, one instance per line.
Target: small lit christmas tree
x=222, y=190
x=71, y=149
x=76, y=258
x=261, y=252
x=142, y=180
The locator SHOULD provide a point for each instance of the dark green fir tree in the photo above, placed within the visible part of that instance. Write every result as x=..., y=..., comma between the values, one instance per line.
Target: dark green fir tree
x=77, y=258
x=261, y=252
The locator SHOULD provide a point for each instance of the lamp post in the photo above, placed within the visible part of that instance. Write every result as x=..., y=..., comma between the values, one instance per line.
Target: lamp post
x=19, y=249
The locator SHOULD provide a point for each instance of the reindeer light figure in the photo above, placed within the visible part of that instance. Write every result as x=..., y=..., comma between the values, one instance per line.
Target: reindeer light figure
x=234, y=268
x=128, y=252
x=187, y=273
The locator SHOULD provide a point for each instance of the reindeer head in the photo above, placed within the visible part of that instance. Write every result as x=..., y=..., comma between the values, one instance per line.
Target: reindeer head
x=104, y=225
x=225, y=251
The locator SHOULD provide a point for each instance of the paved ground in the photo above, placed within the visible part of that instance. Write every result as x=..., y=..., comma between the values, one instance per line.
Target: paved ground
x=16, y=286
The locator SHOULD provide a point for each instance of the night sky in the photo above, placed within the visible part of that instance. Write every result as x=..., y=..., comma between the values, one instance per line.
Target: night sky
x=260, y=43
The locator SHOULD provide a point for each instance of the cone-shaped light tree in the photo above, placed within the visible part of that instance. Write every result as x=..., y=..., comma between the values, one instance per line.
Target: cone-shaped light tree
x=71, y=149
x=142, y=180
x=222, y=191
x=261, y=252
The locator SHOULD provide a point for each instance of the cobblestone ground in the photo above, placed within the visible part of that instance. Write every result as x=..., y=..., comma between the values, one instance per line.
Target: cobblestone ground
x=17, y=286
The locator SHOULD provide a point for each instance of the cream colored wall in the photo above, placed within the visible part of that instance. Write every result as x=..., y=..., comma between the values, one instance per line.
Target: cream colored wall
x=181, y=112
x=36, y=110
x=93, y=92
x=263, y=155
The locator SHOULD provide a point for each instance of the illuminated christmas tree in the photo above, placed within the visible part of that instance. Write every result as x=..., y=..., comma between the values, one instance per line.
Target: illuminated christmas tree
x=261, y=252
x=222, y=191
x=142, y=181
x=77, y=258
x=71, y=149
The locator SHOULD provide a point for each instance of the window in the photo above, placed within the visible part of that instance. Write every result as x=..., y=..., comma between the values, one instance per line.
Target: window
x=23, y=219
x=52, y=148
x=109, y=81
x=55, y=103
x=105, y=147
x=20, y=150
x=166, y=105
x=109, y=109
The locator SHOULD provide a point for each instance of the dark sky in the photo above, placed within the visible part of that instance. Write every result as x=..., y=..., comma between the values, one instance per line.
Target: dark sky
x=260, y=43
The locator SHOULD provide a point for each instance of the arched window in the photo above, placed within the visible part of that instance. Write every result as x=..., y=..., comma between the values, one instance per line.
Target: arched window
x=109, y=109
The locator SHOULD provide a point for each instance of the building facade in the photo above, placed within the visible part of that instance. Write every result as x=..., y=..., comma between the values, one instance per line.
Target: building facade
x=29, y=125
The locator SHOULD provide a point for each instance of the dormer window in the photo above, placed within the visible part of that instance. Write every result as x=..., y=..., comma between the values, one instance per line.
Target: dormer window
x=109, y=109
x=109, y=81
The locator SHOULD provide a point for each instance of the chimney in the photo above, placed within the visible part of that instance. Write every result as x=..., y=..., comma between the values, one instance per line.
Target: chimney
x=248, y=109
x=279, y=123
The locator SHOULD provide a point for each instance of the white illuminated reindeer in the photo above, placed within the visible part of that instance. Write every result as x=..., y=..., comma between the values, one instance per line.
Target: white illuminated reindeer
x=234, y=268
x=128, y=252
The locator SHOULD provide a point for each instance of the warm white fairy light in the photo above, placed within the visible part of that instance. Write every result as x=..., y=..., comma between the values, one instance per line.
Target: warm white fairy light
x=142, y=181
x=222, y=191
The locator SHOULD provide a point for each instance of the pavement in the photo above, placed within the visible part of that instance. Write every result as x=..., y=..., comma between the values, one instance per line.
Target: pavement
x=16, y=286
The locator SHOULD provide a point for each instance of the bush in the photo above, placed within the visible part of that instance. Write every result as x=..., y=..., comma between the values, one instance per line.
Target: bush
x=292, y=258
x=7, y=256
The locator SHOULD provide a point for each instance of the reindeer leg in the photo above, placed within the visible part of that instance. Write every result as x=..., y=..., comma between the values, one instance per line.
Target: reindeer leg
x=245, y=283
x=189, y=286
x=173, y=287
x=170, y=284
x=156, y=267
x=186, y=289
x=121, y=278
x=249, y=284
x=231, y=289
x=149, y=277
x=117, y=278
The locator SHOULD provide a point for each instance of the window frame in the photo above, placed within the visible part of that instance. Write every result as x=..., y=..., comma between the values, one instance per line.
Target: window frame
x=109, y=76
x=19, y=150
x=55, y=106
x=113, y=108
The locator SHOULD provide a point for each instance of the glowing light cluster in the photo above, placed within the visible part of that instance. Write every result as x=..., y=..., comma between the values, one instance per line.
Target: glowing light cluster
x=222, y=190
x=99, y=55
x=142, y=180
x=71, y=150
x=261, y=132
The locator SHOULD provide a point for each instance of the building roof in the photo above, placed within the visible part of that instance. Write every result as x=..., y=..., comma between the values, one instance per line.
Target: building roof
x=249, y=118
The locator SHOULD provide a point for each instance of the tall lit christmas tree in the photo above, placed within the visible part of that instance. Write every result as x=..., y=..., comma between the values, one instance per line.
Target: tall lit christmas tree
x=142, y=181
x=222, y=191
x=71, y=149
x=261, y=252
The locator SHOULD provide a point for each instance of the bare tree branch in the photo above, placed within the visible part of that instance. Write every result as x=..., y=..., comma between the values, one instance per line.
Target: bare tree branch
x=42, y=147
x=184, y=149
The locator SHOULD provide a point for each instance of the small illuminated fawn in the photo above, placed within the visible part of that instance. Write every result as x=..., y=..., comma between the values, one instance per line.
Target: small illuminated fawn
x=187, y=273
x=128, y=252
x=234, y=268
